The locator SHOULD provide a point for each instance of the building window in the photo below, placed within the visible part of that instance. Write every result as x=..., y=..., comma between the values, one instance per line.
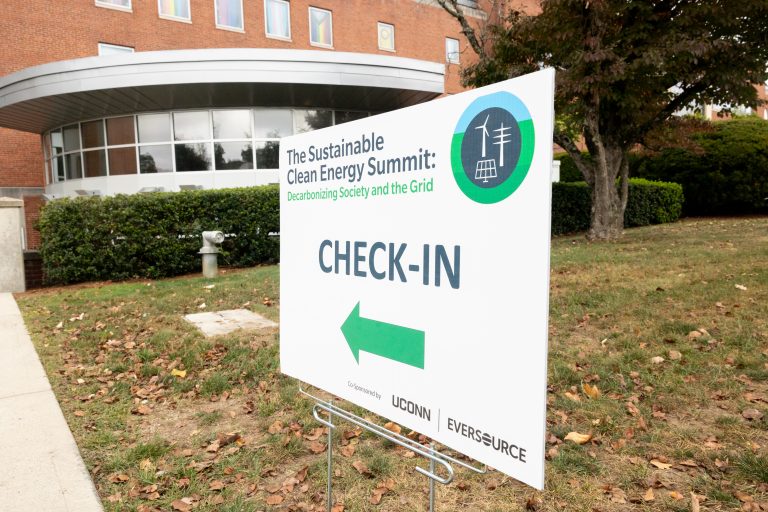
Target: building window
x=180, y=141
x=452, y=50
x=320, y=27
x=386, y=37
x=113, y=49
x=174, y=9
x=277, y=18
x=229, y=14
x=120, y=5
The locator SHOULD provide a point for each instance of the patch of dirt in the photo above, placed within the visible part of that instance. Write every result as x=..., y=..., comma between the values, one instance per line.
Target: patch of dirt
x=179, y=422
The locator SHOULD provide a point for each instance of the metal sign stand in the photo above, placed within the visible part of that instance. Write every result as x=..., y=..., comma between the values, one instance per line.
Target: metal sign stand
x=435, y=457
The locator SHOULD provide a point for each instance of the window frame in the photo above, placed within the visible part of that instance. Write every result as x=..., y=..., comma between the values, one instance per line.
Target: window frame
x=266, y=25
x=241, y=28
x=171, y=17
x=309, y=14
x=107, y=5
x=449, y=60
x=256, y=141
x=101, y=45
x=379, y=25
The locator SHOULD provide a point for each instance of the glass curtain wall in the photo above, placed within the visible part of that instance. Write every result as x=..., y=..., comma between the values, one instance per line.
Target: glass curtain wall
x=180, y=141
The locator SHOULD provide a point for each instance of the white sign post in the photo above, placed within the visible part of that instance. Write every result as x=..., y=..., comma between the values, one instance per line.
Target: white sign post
x=414, y=267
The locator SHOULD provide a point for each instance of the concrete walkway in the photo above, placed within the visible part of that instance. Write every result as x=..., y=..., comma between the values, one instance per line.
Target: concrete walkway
x=40, y=466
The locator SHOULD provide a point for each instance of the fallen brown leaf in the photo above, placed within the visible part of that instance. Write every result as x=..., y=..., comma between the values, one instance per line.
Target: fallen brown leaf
x=590, y=390
x=695, y=503
x=649, y=495
x=362, y=468
x=661, y=465
x=393, y=427
x=316, y=447
x=182, y=505
x=578, y=438
x=752, y=414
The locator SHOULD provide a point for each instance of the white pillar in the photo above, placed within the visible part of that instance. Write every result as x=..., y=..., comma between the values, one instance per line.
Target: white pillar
x=11, y=255
x=555, y=171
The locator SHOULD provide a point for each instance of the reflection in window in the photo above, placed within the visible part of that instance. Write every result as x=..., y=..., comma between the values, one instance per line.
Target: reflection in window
x=122, y=161
x=227, y=139
x=57, y=142
x=57, y=168
x=268, y=155
x=277, y=15
x=272, y=123
x=233, y=155
x=124, y=4
x=320, y=27
x=74, y=166
x=192, y=157
x=308, y=120
x=155, y=159
x=191, y=125
x=95, y=163
x=93, y=134
x=452, y=50
x=231, y=124
x=113, y=49
x=120, y=130
x=386, y=37
x=345, y=116
x=229, y=13
x=174, y=8
x=154, y=128
x=71, y=137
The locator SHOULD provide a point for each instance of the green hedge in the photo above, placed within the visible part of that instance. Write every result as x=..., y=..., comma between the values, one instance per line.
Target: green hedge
x=729, y=175
x=156, y=235
x=650, y=202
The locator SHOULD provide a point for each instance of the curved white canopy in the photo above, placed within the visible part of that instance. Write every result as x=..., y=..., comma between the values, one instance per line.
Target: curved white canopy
x=41, y=97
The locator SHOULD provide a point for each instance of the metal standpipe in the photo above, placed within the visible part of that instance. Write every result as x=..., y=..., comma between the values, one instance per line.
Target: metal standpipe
x=210, y=253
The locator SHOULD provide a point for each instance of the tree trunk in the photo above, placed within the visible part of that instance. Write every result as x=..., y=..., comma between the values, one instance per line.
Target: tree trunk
x=609, y=199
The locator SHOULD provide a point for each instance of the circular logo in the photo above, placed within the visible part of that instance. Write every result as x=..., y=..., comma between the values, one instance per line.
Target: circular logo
x=492, y=147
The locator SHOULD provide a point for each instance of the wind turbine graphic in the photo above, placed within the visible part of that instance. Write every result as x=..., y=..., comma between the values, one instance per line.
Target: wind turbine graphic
x=485, y=168
x=485, y=131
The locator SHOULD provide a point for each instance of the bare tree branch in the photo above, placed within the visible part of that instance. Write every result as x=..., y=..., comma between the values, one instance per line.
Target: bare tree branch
x=452, y=8
x=565, y=142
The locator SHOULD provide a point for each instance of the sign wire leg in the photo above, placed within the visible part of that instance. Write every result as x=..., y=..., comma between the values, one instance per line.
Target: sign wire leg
x=329, y=487
x=432, y=480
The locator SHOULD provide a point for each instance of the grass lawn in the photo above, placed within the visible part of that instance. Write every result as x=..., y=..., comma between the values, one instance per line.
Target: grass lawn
x=658, y=355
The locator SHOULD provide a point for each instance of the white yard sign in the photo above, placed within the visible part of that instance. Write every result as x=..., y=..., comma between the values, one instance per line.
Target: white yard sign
x=414, y=267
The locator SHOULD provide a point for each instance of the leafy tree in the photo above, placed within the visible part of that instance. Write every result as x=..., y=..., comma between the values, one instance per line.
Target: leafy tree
x=624, y=67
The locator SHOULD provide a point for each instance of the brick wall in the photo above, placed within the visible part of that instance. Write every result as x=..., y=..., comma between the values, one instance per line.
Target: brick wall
x=33, y=269
x=32, y=205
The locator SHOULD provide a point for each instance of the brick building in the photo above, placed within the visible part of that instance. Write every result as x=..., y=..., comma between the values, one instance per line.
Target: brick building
x=116, y=96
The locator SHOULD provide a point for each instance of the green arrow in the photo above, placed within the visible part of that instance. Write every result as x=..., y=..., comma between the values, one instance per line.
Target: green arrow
x=386, y=340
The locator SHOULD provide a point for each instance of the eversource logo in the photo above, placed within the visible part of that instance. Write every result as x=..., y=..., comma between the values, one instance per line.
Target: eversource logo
x=492, y=147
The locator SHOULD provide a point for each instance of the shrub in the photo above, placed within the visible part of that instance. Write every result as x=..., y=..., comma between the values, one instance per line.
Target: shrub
x=729, y=175
x=650, y=202
x=155, y=235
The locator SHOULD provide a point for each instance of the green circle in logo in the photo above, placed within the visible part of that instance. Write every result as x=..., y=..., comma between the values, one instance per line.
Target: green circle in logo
x=492, y=147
